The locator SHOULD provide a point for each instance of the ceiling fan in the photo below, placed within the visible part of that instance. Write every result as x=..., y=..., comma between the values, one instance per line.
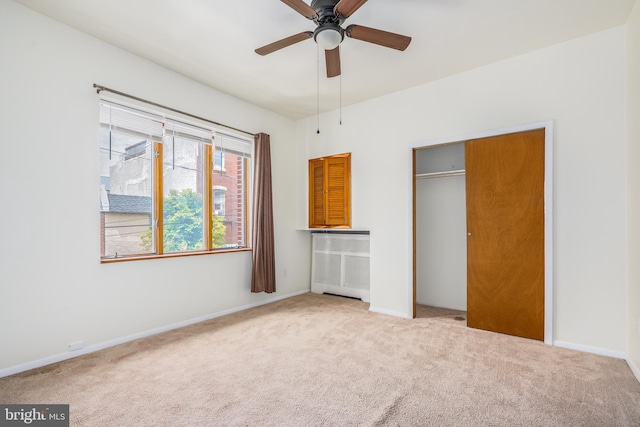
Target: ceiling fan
x=328, y=16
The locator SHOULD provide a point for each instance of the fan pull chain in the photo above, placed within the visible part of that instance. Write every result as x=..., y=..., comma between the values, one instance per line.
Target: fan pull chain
x=340, y=99
x=318, y=87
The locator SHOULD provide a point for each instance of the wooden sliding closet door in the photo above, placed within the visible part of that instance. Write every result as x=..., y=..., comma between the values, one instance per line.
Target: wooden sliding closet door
x=505, y=233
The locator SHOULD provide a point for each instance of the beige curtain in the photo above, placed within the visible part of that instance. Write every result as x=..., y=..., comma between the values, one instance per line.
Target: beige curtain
x=263, y=271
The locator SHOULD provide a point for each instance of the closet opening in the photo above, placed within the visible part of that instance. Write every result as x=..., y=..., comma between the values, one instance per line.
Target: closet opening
x=440, y=231
x=482, y=230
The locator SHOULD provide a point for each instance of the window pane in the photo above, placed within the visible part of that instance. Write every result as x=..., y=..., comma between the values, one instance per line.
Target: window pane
x=229, y=199
x=125, y=194
x=182, y=195
x=218, y=160
x=218, y=202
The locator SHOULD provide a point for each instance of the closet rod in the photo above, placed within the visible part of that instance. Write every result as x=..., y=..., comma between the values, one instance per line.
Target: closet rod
x=440, y=174
x=100, y=88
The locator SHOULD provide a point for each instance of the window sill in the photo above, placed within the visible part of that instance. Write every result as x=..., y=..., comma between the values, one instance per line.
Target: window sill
x=172, y=255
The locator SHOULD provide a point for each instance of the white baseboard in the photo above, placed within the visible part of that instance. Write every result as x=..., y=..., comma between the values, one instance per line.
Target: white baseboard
x=634, y=368
x=589, y=349
x=389, y=312
x=362, y=294
x=111, y=343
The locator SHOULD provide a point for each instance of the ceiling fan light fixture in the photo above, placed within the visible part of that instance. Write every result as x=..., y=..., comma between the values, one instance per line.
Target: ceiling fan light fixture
x=328, y=37
x=329, y=16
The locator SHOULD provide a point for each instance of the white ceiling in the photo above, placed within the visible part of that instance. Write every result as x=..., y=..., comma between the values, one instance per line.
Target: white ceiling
x=213, y=41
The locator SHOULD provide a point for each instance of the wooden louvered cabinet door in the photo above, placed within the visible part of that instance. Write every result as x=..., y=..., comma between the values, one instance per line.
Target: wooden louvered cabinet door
x=330, y=191
x=317, y=193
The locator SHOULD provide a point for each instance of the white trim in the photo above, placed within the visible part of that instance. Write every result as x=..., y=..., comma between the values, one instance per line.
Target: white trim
x=594, y=350
x=634, y=368
x=547, y=125
x=111, y=343
x=391, y=312
x=549, y=307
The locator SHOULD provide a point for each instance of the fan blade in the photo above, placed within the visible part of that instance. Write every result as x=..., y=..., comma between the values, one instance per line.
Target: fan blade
x=302, y=8
x=382, y=38
x=287, y=41
x=332, y=58
x=346, y=8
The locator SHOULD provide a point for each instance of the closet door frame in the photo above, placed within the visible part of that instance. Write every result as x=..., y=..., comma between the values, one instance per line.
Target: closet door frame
x=548, y=211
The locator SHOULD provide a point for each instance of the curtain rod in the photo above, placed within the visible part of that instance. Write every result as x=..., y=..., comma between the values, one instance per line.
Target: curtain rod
x=440, y=174
x=100, y=88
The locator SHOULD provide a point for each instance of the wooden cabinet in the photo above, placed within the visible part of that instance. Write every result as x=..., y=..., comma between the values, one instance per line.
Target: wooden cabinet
x=330, y=191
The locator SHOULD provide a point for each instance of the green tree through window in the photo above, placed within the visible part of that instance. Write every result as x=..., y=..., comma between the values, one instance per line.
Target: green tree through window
x=183, y=223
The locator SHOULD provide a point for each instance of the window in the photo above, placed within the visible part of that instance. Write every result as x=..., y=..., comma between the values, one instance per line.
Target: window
x=218, y=160
x=163, y=187
x=218, y=200
x=135, y=150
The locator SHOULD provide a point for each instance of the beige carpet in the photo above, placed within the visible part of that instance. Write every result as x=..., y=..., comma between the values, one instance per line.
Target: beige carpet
x=318, y=360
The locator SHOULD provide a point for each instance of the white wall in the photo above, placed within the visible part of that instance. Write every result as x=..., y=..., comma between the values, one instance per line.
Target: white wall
x=579, y=84
x=441, y=242
x=633, y=192
x=54, y=290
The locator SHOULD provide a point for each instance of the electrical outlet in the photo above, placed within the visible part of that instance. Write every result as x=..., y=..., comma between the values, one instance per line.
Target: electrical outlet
x=638, y=325
x=78, y=345
x=285, y=273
